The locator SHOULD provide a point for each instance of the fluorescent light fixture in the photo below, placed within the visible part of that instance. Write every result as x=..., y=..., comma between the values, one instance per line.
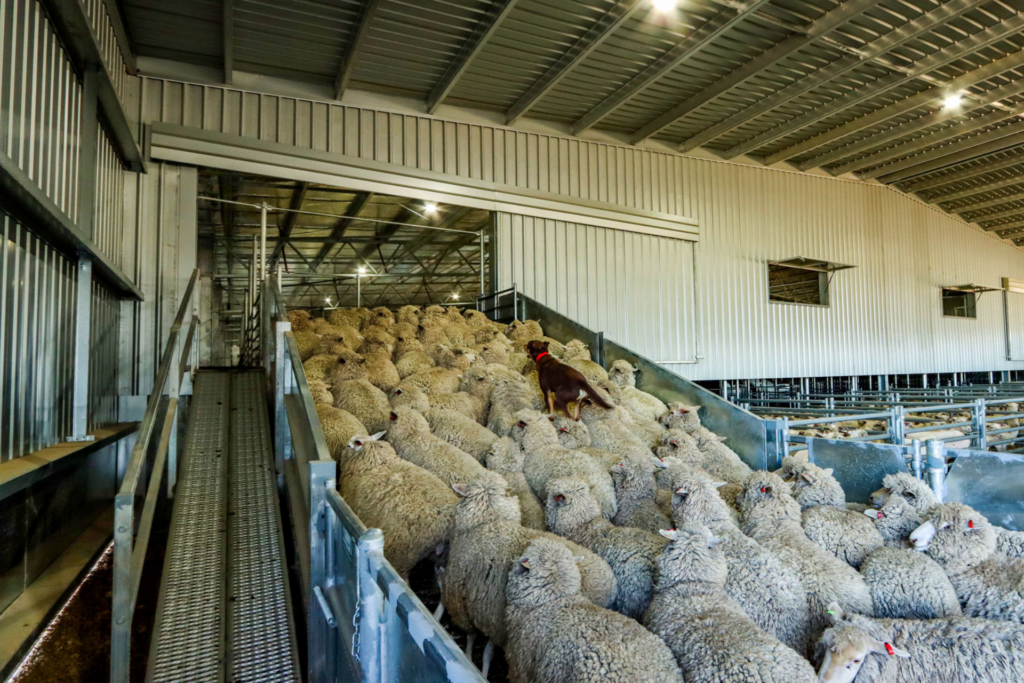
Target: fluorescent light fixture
x=664, y=5
x=952, y=102
x=430, y=207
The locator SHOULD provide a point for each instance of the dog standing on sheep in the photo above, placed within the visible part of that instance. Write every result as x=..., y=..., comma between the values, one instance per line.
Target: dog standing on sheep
x=561, y=384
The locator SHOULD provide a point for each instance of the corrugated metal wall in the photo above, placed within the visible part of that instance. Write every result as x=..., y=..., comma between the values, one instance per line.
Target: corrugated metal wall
x=103, y=363
x=885, y=316
x=37, y=295
x=159, y=255
x=40, y=101
x=103, y=30
x=108, y=222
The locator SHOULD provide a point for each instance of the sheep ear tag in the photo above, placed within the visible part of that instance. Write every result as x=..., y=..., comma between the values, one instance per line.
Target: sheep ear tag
x=873, y=514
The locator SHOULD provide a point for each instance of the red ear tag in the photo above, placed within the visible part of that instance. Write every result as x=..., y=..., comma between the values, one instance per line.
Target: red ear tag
x=762, y=490
x=888, y=648
x=970, y=524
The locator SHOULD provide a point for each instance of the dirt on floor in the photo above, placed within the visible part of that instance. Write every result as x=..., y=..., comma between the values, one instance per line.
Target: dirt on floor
x=75, y=646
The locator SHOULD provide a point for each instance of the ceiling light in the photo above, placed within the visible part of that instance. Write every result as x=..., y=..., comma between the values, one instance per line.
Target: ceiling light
x=430, y=207
x=455, y=296
x=952, y=102
x=362, y=271
x=327, y=301
x=664, y=5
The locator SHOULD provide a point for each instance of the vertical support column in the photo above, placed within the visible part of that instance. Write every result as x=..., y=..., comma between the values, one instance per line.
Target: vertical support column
x=482, y=288
x=89, y=126
x=319, y=635
x=937, y=469
x=369, y=555
x=359, y=289
x=83, y=321
x=282, y=444
x=898, y=426
x=121, y=622
x=980, y=425
x=916, y=458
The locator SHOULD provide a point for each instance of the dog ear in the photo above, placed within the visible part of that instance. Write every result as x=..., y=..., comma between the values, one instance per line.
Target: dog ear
x=546, y=345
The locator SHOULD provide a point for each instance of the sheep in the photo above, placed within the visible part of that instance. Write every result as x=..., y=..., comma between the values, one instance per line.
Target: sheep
x=486, y=537
x=317, y=366
x=638, y=402
x=522, y=331
x=412, y=362
x=409, y=395
x=409, y=314
x=987, y=583
x=339, y=426
x=711, y=636
x=410, y=505
x=634, y=495
x=547, y=459
x=720, y=461
x=490, y=352
x=506, y=458
x=848, y=535
x=772, y=518
x=577, y=356
x=572, y=511
x=380, y=371
x=402, y=331
x=957, y=439
x=345, y=316
x=299, y=319
x=554, y=634
x=307, y=343
x=382, y=316
x=895, y=521
x=435, y=381
x=769, y=592
x=609, y=433
x=951, y=650
x=681, y=416
x=410, y=434
x=321, y=393
x=458, y=358
x=461, y=431
x=347, y=365
x=377, y=340
x=330, y=347
x=366, y=402
x=649, y=432
x=506, y=399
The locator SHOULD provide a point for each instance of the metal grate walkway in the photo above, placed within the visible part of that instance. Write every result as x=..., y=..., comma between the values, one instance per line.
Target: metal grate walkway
x=224, y=612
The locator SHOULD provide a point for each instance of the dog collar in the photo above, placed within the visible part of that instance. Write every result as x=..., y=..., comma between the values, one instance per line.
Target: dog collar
x=541, y=356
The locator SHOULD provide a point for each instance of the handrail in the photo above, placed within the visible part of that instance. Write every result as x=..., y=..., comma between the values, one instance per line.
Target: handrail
x=130, y=556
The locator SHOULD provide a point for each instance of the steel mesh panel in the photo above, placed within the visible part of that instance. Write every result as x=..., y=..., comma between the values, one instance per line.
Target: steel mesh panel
x=189, y=636
x=260, y=641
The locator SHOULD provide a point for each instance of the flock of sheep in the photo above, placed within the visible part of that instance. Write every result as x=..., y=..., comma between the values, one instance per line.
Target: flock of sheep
x=634, y=545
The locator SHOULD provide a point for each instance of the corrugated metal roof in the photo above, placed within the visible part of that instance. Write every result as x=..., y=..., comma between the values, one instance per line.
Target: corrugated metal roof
x=852, y=86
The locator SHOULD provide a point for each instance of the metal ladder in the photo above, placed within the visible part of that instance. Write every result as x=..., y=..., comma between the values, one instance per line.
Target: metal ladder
x=225, y=611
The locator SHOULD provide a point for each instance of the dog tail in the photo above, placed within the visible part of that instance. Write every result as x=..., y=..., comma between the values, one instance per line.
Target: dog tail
x=595, y=397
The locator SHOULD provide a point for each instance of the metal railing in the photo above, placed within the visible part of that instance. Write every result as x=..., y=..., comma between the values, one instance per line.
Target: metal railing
x=131, y=532
x=363, y=621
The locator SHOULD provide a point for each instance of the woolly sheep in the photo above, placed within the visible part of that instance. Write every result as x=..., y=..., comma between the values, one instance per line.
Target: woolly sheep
x=435, y=381
x=410, y=434
x=573, y=512
x=522, y=331
x=850, y=536
x=461, y=431
x=347, y=365
x=636, y=401
x=720, y=461
x=330, y=347
x=987, y=583
x=905, y=584
x=547, y=459
x=953, y=650
x=365, y=402
x=409, y=395
x=410, y=505
x=377, y=340
x=339, y=426
x=413, y=362
x=402, y=331
x=409, y=314
x=769, y=592
x=609, y=433
x=634, y=496
x=556, y=635
x=299, y=319
x=576, y=437
x=381, y=372
x=711, y=636
x=577, y=356
x=772, y=518
x=486, y=538
x=458, y=358
x=490, y=352
x=507, y=398
x=316, y=367
x=321, y=393
x=383, y=316
x=461, y=402
x=306, y=342
x=506, y=458
x=344, y=316
x=681, y=416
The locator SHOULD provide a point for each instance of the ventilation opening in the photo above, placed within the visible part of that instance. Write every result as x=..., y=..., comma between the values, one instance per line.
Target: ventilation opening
x=797, y=285
x=959, y=304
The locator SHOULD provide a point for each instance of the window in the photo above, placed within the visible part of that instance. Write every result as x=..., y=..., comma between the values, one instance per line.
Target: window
x=958, y=304
x=801, y=281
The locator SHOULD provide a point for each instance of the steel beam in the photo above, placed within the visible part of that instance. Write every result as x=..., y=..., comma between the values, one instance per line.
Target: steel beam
x=356, y=42
x=341, y=225
x=88, y=125
x=1006, y=213
x=608, y=24
x=925, y=141
x=121, y=36
x=284, y=232
x=871, y=51
x=931, y=96
x=971, y=148
x=921, y=68
x=977, y=189
x=228, y=39
x=932, y=139
x=80, y=370
x=938, y=181
x=481, y=35
x=691, y=46
x=989, y=203
x=819, y=28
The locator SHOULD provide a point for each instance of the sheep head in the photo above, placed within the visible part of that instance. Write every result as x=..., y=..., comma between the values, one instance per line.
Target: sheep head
x=681, y=446
x=852, y=644
x=814, y=486
x=681, y=416
x=547, y=571
x=486, y=499
x=896, y=520
x=571, y=434
x=956, y=536
x=766, y=497
x=622, y=373
x=570, y=504
x=695, y=500
x=914, y=491
x=692, y=555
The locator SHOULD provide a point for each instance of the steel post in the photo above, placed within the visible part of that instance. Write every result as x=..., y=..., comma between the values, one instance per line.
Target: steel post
x=83, y=322
x=282, y=444
x=359, y=290
x=916, y=457
x=369, y=556
x=898, y=426
x=122, y=607
x=321, y=666
x=978, y=415
x=937, y=469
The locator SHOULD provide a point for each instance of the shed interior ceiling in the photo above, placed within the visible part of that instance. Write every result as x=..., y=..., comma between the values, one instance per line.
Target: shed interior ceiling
x=317, y=234
x=923, y=95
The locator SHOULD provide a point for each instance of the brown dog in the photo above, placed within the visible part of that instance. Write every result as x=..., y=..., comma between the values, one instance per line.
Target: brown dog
x=560, y=383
